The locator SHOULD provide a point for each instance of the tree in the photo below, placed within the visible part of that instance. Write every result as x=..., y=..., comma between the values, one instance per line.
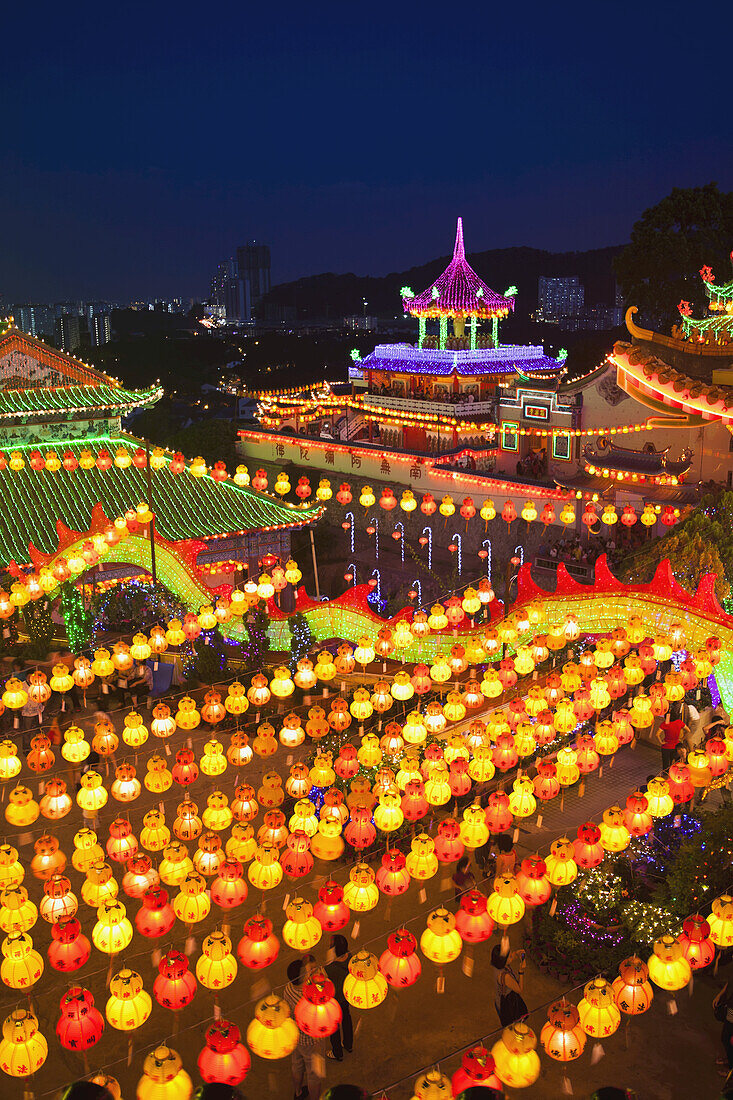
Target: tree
x=301, y=635
x=702, y=543
x=38, y=623
x=669, y=244
x=78, y=621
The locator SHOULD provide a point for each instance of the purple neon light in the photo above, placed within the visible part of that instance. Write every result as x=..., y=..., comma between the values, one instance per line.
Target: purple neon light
x=504, y=360
x=459, y=290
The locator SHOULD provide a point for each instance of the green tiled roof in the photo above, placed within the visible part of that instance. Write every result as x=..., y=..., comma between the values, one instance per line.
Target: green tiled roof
x=70, y=399
x=185, y=506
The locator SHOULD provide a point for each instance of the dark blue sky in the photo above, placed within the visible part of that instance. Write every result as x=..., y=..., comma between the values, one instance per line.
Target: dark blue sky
x=143, y=142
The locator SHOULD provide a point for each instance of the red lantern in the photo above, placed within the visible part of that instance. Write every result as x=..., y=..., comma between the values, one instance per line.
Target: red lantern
x=477, y=1068
x=219, y=471
x=400, y=963
x=587, y=757
x=347, y=762
x=717, y=758
x=69, y=461
x=628, y=516
x=69, y=948
x=387, y=500
x=505, y=754
x=589, y=516
x=185, y=771
x=622, y=728
x=637, y=818
x=156, y=915
x=175, y=985
x=507, y=674
x=258, y=946
x=509, y=513
x=544, y=728
x=647, y=660
x=224, y=1060
x=546, y=784
x=588, y=848
x=428, y=507
x=458, y=777
x=177, y=463
x=414, y=802
x=330, y=910
x=297, y=861
x=37, y=460
x=448, y=844
x=139, y=458
x=360, y=831
x=344, y=495
x=534, y=887
x=616, y=682
x=228, y=890
x=140, y=875
x=122, y=843
x=259, y=481
x=670, y=515
x=318, y=1013
x=104, y=460
x=81, y=1024
x=420, y=679
x=695, y=941
x=582, y=705
x=303, y=488
x=498, y=815
x=680, y=784
x=393, y=877
x=472, y=919
x=548, y=515
x=468, y=509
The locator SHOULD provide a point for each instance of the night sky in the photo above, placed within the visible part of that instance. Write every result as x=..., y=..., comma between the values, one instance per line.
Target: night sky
x=143, y=143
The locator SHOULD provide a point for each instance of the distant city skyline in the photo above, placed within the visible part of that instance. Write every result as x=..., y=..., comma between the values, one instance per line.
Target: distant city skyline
x=137, y=155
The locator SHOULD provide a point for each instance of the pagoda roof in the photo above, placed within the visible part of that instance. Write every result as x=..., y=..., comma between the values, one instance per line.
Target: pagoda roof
x=186, y=507
x=648, y=462
x=459, y=290
x=36, y=379
x=504, y=360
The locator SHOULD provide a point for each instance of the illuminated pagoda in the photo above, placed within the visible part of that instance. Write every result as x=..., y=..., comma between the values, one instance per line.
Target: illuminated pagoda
x=456, y=395
x=68, y=471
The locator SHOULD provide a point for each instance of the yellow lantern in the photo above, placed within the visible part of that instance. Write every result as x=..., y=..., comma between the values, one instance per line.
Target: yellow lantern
x=562, y=1037
x=100, y=885
x=361, y=892
x=272, y=1033
x=615, y=837
x=364, y=986
x=17, y=912
x=15, y=696
x=158, y=778
x=128, y=1005
x=102, y=665
x=441, y=941
x=301, y=930
x=517, y=1062
x=522, y=802
x=659, y=800
x=217, y=967
x=86, y=851
x=192, y=903
x=437, y=787
x=163, y=1075
x=217, y=816
x=11, y=869
x=505, y=905
x=154, y=835
x=174, y=635
x=92, y=795
x=421, y=861
x=668, y=967
x=23, y=1049
x=9, y=761
x=113, y=931
x=175, y=864
x=134, y=732
x=599, y=1014
x=22, y=965
x=265, y=871
x=213, y=761
x=721, y=921
x=567, y=769
x=187, y=717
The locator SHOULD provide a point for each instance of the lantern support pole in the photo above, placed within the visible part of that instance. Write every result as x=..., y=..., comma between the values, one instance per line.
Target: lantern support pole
x=151, y=525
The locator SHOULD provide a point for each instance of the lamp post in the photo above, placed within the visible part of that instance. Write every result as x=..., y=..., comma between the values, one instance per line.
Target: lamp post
x=399, y=533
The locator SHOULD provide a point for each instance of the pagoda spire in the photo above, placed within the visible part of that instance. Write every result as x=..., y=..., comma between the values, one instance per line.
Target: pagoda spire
x=459, y=252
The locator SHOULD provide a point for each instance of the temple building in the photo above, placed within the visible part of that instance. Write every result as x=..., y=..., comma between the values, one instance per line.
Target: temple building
x=68, y=469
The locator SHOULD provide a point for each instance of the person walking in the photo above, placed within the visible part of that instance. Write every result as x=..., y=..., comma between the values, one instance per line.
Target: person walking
x=670, y=732
x=337, y=970
x=509, y=978
x=304, y=1060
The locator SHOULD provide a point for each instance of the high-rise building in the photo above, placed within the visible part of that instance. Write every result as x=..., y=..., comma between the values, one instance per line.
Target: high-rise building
x=68, y=331
x=253, y=264
x=560, y=296
x=38, y=320
x=100, y=329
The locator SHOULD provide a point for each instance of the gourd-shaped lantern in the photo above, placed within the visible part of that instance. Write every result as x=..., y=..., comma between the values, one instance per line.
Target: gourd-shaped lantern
x=272, y=1033
x=599, y=1015
x=327, y=843
x=441, y=941
x=48, y=859
x=239, y=752
x=113, y=931
x=400, y=963
x=545, y=783
x=522, y=802
x=81, y=1024
x=10, y=764
x=154, y=834
x=217, y=816
x=69, y=948
x=23, y=1049
x=209, y=855
x=164, y=1077
x=271, y=793
x=301, y=930
x=241, y=844
x=17, y=912
x=393, y=878
x=22, y=808
x=658, y=797
x=187, y=717
x=422, y=862
x=264, y=744
x=473, y=922
x=505, y=905
x=128, y=1005
x=217, y=967
x=361, y=892
x=100, y=885
x=92, y=796
x=562, y=1037
x=11, y=869
x=432, y=1085
x=187, y=825
x=224, y=1059
x=697, y=947
x=126, y=786
x=58, y=901
x=175, y=986
x=317, y=1013
x=185, y=770
x=41, y=757
x=588, y=848
x=474, y=830
x=229, y=889
x=297, y=860
x=156, y=916
x=192, y=903
x=477, y=1068
x=158, y=778
x=516, y=1060
x=632, y=990
x=265, y=871
x=448, y=844
x=122, y=843
x=615, y=837
x=22, y=965
x=213, y=761
x=668, y=967
x=498, y=814
x=720, y=921
x=364, y=986
x=163, y=723
x=532, y=882
x=637, y=818
x=258, y=946
x=175, y=864
x=330, y=910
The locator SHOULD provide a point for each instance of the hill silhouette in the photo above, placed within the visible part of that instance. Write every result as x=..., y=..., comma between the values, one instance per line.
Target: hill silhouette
x=330, y=296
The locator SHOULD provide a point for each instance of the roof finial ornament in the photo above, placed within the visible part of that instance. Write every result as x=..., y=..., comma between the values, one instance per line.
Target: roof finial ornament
x=459, y=252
